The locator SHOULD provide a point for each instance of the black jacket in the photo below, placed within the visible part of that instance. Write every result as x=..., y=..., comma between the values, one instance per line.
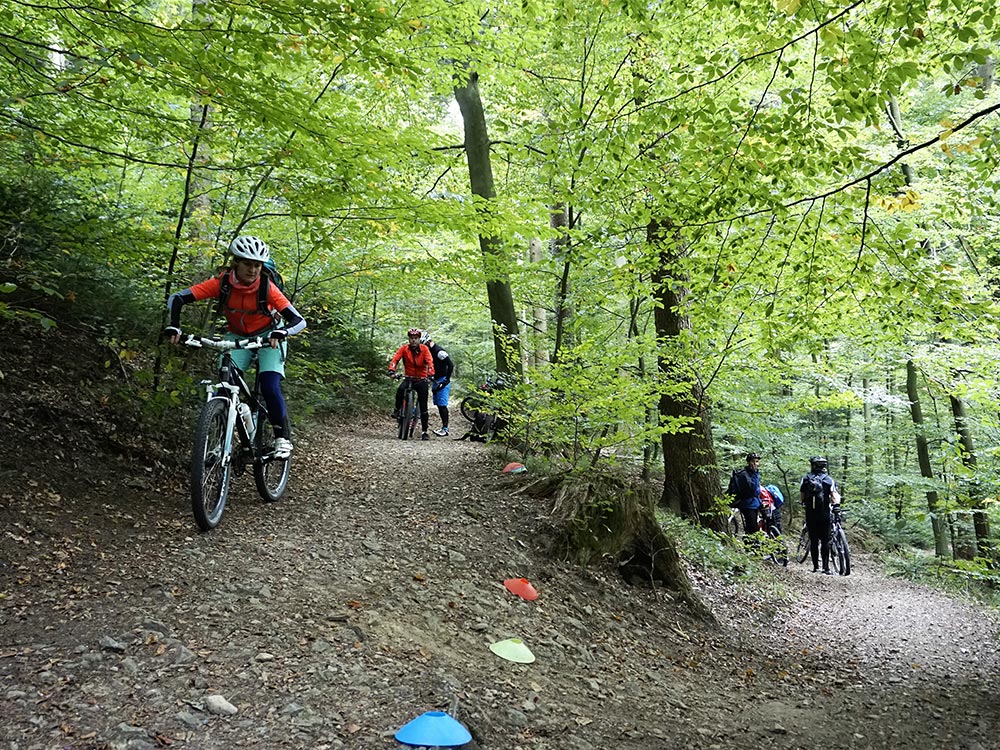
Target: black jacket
x=443, y=366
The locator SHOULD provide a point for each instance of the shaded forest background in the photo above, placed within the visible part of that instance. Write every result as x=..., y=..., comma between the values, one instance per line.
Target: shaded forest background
x=687, y=231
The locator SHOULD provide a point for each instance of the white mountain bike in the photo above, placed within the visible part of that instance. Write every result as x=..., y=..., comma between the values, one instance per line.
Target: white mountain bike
x=233, y=432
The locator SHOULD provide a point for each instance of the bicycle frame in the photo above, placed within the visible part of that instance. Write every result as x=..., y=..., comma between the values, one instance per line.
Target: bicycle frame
x=238, y=391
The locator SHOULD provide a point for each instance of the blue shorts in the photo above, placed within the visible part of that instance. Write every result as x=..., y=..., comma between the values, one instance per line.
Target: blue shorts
x=441, y=396
x=268, y=359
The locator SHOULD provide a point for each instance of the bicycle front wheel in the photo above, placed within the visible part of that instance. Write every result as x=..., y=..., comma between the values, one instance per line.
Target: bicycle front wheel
x=780, y=553
x=403, y=418
x=735, y=524
x=802, y=548
x=414, y=413
x=407, y=414
x=843, y=552
x=270, y=473
x=211, y=468
x=836, y=558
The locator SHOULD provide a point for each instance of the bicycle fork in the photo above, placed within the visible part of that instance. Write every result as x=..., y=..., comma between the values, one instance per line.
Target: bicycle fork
x=231, y=398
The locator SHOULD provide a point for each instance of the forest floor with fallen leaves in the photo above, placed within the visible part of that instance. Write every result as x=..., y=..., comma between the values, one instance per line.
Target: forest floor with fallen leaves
x=371, y=593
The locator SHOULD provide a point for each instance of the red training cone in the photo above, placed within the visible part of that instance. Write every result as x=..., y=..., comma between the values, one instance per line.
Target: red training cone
x=522, y=588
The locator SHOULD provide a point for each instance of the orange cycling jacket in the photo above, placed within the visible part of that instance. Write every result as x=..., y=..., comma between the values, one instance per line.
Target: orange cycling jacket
x=241, y=308
x=415, y=365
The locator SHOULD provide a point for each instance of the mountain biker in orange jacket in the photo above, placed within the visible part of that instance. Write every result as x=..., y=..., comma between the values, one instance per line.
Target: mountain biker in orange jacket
x=418, y=365
x=245, y=320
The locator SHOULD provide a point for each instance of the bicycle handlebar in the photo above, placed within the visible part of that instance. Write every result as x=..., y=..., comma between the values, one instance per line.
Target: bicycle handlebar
x=215, y=343
x=397, y=375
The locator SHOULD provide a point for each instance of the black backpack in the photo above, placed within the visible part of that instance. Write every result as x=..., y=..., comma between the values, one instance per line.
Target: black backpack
x=819, y=490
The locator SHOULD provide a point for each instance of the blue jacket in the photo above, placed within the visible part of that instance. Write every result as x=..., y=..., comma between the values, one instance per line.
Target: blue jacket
x=779, y=499
x=744, y=489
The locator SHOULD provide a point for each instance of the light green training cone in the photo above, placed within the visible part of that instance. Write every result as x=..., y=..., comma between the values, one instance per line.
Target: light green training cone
x=513, y=649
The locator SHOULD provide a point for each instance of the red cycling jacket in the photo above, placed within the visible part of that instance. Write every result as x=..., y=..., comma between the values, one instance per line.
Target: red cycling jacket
x=415, y=365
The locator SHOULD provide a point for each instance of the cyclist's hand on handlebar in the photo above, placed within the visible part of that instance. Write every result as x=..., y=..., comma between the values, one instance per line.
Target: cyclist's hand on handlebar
x=173, y=334
x=277, y=336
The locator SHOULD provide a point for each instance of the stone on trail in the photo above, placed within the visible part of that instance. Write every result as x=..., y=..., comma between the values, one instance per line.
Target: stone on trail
x=216, y=704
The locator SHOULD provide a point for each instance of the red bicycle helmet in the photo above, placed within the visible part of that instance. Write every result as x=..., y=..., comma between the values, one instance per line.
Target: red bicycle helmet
x=414, y=332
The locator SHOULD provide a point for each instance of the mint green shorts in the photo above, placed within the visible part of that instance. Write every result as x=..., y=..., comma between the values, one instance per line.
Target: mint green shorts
x=269, y=360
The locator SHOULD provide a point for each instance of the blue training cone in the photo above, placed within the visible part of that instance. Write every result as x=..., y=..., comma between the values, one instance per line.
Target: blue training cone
x=434, y=729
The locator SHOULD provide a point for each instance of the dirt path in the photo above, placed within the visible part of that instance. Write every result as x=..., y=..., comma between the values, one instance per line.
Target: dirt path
x=370, y=595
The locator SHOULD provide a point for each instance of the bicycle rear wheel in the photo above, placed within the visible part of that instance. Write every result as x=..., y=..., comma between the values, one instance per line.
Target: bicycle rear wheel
x=211, y=468
x=802, y=548
x=843, y=552
x=269, y=473
x=471, y=406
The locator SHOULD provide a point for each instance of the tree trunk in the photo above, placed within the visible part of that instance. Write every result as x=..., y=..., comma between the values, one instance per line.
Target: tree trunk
x=924, y=459
x=539, y=313
x=559, y=219
x=869, y=481
x=604, y=517
x=969, y=461
x=691, y=477
x=506, y=342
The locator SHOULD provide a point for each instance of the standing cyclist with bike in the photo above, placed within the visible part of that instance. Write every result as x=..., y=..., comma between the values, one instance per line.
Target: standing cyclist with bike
x=418, y=366
x=817, y=492
x=744, y=492
x=250, y=311
x=441, y=389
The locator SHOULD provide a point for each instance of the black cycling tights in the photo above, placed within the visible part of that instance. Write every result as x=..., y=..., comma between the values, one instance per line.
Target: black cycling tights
x=270, y=389
x=818, y=523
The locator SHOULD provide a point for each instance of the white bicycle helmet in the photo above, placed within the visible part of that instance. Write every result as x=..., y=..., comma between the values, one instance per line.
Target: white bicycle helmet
x=425, y=337
x=250, y=248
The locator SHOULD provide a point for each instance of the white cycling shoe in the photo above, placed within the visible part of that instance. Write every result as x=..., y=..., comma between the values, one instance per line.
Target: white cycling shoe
x=282, y=448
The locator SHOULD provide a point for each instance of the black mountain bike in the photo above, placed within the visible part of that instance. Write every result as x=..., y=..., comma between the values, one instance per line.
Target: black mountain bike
x=409, y=412
x=478, y=408
x=232, y=433
x=840, y=550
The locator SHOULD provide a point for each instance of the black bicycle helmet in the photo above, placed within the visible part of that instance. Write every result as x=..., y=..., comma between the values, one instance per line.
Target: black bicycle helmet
x=753, y=457
x=817, y=463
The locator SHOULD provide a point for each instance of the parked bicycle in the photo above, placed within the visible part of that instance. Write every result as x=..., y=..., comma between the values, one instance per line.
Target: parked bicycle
x=232, y=433
x=768, y=525
x=840, y=550
x=409, y=412
x=478, y=407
